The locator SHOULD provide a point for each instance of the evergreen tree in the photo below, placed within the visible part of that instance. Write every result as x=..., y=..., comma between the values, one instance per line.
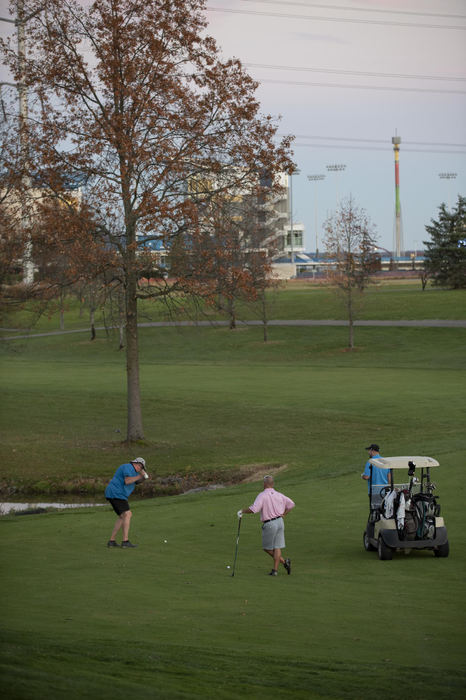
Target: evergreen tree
x=445, y=255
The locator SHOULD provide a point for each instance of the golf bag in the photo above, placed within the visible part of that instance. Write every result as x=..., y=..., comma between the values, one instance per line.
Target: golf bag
x=420, y=513
x=427, y=509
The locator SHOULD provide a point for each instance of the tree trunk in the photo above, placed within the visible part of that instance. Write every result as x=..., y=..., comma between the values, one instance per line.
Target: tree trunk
x=105, y=323
x=350, y=319
x=134, y=422
x=62, y=313
x=264, y=317
x=232, y=314
x=92, y=321
x=121, y=319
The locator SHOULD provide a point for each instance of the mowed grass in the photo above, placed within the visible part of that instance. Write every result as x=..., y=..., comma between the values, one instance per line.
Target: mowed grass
x=167, y=620
x=382, y=300
x=213, y=399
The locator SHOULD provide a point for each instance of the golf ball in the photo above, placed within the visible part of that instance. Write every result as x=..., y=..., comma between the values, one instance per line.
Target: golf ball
x=165, y=541
x=228, y=567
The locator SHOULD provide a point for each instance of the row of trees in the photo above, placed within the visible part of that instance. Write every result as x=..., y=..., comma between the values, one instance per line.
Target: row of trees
x=134, y=100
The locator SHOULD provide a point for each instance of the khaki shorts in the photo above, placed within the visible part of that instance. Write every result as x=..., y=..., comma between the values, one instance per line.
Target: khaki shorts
x=273, y=534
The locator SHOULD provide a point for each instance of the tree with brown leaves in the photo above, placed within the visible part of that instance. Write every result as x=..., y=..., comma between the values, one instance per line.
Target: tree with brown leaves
x=134, y=96
x=233, y=248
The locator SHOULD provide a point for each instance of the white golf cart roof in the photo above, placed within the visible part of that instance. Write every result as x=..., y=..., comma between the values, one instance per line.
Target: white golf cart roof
x=402, y=462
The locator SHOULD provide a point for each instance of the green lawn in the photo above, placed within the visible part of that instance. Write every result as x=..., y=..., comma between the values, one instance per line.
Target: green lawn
x=392, y=300
x=383, y=301
x=213, y=399
x=167, y=620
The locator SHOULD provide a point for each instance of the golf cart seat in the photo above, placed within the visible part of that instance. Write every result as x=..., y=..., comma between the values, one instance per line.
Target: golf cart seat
x=376, y=498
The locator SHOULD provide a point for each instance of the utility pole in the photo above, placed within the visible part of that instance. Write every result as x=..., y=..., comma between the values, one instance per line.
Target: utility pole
x=20, y=23
x=295, y=172
x=28, y=265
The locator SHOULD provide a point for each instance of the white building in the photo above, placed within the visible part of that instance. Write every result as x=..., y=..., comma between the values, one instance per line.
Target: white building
x=291, y=246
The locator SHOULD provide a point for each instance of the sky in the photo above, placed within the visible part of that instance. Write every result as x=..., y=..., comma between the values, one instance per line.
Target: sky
x=353, y=126
x=344, y=76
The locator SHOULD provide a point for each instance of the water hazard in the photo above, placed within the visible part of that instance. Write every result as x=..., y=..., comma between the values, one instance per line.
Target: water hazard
x=37, y=507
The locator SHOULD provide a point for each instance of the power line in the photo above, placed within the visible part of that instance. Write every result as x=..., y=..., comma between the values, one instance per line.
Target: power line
x=374, y=148
x=359, y=9
x=354, y=72
x=358, y=140
x=360, y=87
x=350, y=20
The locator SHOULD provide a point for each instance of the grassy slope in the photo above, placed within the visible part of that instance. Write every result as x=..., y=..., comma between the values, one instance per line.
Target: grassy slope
x=384, y=300
x=166, y=620
x=216, y=399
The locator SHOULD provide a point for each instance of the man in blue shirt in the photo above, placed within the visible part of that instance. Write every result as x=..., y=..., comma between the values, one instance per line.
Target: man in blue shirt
x=380, y=477
x=120, y=487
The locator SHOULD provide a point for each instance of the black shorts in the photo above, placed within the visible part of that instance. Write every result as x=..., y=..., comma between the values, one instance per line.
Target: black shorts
x=119, y=505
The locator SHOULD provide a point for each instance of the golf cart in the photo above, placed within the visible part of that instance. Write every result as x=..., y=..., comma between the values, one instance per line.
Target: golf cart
x=404, y=515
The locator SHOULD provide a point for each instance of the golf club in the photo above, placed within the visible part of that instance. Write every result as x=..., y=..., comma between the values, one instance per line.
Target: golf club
x=236, y=549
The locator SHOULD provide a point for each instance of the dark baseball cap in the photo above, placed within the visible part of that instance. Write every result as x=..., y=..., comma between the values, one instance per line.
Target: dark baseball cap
x=373, y=446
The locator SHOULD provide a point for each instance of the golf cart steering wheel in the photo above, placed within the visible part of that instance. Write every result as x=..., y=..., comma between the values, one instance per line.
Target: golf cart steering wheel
x=384, y=490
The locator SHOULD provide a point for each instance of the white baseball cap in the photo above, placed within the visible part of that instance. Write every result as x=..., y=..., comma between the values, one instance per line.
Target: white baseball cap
x=140, y=460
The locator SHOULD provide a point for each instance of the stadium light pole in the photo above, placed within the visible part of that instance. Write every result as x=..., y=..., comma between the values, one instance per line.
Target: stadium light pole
x=448, y=176
x=336, y=168
x=295, y=172
x=315, y=179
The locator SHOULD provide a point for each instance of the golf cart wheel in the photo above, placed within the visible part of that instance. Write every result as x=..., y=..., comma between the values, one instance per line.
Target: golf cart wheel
x=385, y=553
x=367, y=543
x=443, y=550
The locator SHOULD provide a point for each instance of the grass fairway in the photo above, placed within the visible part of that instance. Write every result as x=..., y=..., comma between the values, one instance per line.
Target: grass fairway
x=382, y=300
x=167, y=620
x=215, y=399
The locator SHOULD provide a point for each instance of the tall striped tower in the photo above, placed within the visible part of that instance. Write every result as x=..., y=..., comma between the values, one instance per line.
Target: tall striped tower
x=398, y=242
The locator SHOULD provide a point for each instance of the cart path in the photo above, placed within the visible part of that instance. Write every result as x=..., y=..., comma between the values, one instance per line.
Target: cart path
x=425, y=323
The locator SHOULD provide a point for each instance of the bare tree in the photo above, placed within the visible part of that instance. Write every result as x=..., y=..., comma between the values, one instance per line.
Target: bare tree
x=424, y=277
x=349, y=242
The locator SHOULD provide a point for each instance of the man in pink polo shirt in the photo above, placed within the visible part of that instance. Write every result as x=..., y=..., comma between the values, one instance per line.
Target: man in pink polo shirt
x=273, y=506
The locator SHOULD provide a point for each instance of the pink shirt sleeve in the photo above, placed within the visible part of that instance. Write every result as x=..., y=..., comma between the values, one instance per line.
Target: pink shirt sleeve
x=289, y=504
x=257, y=505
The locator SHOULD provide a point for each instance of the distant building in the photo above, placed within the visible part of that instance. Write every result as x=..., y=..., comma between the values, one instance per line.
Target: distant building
x=310, y=265
x=290, y=244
